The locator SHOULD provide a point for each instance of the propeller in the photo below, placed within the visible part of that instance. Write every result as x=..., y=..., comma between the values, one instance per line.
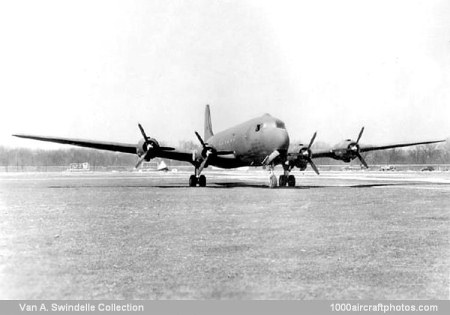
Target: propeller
x=355, y=148
x=150, y=146
x=307, y=154
x=207, y=152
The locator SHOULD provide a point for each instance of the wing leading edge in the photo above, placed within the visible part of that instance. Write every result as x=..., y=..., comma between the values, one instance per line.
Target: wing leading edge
x=366, y=148
x=100, y=145
x=110, y=146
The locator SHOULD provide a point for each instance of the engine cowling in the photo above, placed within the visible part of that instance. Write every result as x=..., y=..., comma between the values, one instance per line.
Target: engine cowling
x=147, y=146
x=302, y=159
x=348, y=150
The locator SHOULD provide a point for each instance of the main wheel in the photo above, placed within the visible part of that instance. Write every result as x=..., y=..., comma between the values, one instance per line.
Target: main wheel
x=192, y=181
x=272, y=181
x=291, y=180
x=282, y=180
x=202, y=181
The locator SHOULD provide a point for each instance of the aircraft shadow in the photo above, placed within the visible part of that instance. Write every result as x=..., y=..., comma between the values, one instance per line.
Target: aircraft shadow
x=263, y=186
x=229, y=185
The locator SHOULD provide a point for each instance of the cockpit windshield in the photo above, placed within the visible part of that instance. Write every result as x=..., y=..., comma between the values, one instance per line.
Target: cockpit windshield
x=280, y=124
x=274, y=124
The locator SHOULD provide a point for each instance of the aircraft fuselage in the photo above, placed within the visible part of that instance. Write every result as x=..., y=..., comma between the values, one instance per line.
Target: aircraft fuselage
x=251, y=142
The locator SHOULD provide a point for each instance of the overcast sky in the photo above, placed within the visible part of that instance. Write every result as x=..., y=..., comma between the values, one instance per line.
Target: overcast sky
x=94, y=69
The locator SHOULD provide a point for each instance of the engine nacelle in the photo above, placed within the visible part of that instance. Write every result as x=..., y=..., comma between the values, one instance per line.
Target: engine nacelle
x=301, y=158
x=144, y=146
x=301, y=164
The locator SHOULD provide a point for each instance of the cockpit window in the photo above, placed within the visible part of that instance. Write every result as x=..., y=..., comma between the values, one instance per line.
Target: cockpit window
x=269, y=124
x=274, y=124
x=280, y=125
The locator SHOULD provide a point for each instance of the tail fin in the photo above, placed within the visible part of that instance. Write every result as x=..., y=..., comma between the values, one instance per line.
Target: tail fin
x=208, y=126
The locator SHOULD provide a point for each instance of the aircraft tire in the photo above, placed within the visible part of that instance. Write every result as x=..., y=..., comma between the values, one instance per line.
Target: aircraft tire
x=282, y=180
x=202, y=181
x=291, y=180
x=272, y=181
x=192, y=181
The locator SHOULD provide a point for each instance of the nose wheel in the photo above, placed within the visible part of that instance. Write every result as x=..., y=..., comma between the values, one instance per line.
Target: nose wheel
x=272, y=181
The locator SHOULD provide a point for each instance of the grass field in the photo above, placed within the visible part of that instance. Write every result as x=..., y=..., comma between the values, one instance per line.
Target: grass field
x=148, y=236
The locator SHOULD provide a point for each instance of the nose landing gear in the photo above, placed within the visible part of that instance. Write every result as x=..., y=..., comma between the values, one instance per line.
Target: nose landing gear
x=272, y=181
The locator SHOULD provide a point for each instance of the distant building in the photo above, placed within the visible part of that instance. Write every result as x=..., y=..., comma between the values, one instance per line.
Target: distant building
x=79, y=167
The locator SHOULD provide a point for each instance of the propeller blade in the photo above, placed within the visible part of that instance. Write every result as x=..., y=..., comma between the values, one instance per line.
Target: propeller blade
x=362, y=160
x=271, y=157
x=202, y=165
x=142, y=132
x=200, y=139
x=141, y=159
x=312, y=140
x=360, y=134
x=313, y=166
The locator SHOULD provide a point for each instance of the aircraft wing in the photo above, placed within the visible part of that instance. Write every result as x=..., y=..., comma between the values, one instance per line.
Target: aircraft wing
x=175, y=155
x=101, y=145
x=367, y=148
x=110, y=146
x=322, y=153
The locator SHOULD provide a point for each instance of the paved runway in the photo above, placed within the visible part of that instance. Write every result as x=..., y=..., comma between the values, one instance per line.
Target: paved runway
x=340, y=235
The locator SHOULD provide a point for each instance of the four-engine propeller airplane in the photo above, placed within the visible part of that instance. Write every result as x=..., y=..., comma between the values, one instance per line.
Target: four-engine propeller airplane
x=262, y=141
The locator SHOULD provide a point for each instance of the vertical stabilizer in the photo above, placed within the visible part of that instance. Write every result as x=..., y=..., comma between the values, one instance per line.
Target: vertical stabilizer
x=208, y=126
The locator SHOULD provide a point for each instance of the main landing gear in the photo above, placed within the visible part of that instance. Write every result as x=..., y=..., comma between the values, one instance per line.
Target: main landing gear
x=283, y=180
x=194, y=180
x=197, y=179
x=288, y=180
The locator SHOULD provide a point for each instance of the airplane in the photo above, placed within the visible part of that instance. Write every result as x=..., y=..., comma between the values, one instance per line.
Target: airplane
x=262, y=141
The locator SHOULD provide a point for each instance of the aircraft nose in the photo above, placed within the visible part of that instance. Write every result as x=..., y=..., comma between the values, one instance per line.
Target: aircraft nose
x=280, y=139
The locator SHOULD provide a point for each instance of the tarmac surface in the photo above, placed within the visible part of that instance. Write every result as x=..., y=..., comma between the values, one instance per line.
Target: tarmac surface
x=340, y=235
